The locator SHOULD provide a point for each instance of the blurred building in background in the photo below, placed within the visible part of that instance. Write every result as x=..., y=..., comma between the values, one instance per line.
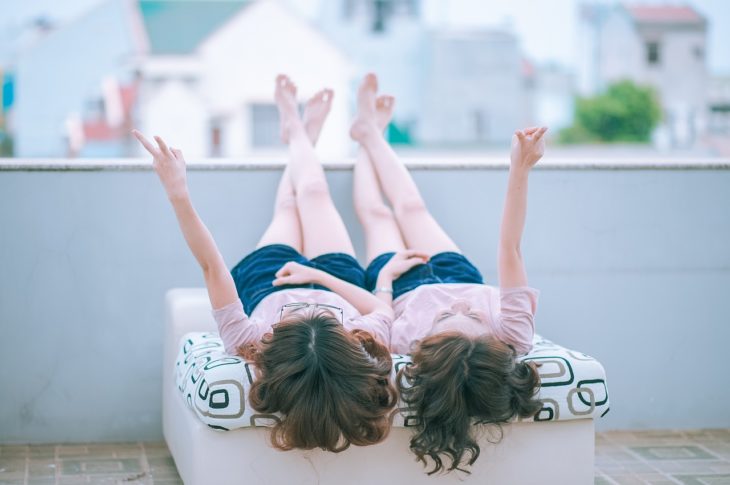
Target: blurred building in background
x=201, y=74
x=476, y=88
x=75, y=75
x=386, y=37
x=658, y=45
x=453, y=87
x=210, y=81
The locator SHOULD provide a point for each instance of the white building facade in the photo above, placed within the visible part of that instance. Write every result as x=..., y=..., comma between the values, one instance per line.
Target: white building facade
x=218, y=99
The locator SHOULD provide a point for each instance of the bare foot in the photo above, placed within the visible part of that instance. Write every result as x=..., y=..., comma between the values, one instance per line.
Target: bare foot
x=365, y=122
x=384, y=110
x=315, y=112
x=285, y=95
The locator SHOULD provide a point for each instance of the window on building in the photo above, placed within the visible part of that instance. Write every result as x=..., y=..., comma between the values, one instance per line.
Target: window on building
x=265, y=126
x=348, y=9
x=216, y=137
x=653, y=53
x=95, y=109
x=699, y=52
x=381, y=10
x=480, y=122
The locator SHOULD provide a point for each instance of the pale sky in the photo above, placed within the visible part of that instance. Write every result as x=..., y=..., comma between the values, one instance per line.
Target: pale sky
x=546, y=28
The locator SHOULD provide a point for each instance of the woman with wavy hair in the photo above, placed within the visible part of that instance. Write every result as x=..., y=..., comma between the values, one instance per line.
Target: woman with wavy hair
x=464, y=337
x=295, y=306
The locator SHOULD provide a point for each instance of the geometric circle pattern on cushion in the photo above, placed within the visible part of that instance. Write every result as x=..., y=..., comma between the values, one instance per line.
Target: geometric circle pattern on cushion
x=215, y=385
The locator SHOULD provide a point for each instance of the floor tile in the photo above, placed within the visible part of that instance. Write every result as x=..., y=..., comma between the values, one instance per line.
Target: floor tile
x=703, y=479
x=671, y=452
x=664, y=457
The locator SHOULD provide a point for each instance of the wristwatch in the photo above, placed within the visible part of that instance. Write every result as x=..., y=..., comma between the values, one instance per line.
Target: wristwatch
x=383, y=289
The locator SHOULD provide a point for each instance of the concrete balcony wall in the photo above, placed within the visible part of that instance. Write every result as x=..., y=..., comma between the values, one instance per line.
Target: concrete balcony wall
x=632, y=261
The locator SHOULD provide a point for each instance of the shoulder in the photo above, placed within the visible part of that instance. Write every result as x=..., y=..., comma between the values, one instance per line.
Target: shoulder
x=230, y=312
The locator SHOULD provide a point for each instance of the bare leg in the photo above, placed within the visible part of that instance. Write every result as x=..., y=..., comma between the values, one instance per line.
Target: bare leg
x=382, y=234
x=420, y=230
x=323, y=230
x=285, y=227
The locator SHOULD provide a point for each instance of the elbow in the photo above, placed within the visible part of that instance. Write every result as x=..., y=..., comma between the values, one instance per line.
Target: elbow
x=230, y=346
x=511, y=249
x=230, y=350
x=386, y=310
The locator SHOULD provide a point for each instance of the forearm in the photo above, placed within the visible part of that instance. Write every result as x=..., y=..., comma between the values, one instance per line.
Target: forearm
x=364, y=301
x=197, y=236
x=511, y=268
x=515, y=209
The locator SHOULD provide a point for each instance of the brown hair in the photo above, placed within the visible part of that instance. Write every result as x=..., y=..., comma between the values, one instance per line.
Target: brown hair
x=456, y=381
x=330, y=385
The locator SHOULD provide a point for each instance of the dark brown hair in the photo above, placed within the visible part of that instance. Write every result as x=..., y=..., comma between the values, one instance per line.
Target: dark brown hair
x=330, y=385
x=457, y=381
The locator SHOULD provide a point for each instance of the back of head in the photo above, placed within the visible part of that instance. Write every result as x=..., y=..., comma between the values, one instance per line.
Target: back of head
x=330, y=385
x=457, y=381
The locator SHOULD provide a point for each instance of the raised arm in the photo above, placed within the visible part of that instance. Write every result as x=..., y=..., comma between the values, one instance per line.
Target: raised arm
x=169, y=165
x=528, y=147
x=365, y=302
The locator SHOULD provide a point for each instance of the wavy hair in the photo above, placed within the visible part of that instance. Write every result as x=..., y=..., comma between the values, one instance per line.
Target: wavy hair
x=456, y=381
x=331, y=385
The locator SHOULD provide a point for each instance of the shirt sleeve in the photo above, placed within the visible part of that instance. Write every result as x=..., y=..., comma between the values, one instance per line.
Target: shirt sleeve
x=402, y=336
x=234, y=327
x=516, y=318
x=376, y=323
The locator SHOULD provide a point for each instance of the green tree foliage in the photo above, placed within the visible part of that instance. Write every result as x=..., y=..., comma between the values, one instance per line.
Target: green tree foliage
x=626, y=112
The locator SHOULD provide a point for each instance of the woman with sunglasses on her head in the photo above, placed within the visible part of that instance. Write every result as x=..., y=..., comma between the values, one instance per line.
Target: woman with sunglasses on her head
x=295, y=306
x=463, y=336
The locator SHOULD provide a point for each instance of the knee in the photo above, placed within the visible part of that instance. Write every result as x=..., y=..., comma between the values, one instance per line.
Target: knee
x=370, y=213
x=409, y=206
x=286, y=204
x=313, y=189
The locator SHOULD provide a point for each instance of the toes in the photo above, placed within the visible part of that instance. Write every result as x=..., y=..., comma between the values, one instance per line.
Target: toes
x=284, y=83
x=314, y=99
x=371, y=81
x=384, y=102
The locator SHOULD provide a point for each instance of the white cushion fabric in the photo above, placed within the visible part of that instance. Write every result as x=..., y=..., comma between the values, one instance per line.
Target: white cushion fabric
x=215, y=385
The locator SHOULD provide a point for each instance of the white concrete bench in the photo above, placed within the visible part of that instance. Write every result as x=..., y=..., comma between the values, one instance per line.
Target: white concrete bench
x=555, y=451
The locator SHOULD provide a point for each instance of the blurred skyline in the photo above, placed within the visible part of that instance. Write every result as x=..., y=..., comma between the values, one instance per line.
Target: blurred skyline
x=534, y=22
x=517, y=63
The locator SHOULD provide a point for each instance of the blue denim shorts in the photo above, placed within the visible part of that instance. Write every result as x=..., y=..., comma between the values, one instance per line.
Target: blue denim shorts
x=447, y=267
x=255, y=273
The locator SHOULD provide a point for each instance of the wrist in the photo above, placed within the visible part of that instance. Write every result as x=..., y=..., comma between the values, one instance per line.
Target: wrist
x=519, y=169
x=388, y=290
x=385, y=279
x=319, y=277
x=178, y=195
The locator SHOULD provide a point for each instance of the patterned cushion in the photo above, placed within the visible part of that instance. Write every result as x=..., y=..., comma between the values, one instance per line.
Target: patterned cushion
x=215, y=385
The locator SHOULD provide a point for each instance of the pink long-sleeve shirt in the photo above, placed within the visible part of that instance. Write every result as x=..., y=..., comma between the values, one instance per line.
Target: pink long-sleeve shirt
x=510, y=313
x=236, y=328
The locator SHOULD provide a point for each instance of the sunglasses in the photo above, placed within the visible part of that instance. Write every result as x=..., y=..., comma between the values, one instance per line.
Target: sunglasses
x=293, y=307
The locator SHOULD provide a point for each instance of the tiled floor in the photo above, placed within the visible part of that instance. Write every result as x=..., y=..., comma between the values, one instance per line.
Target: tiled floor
x=622, y=457
x=108, y=463
x=691, y=457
